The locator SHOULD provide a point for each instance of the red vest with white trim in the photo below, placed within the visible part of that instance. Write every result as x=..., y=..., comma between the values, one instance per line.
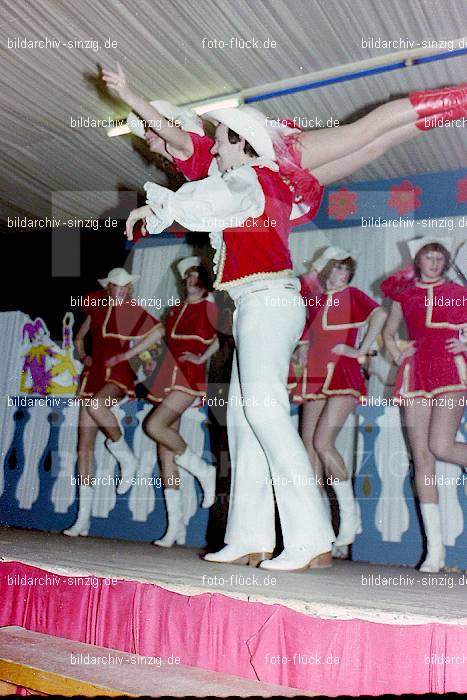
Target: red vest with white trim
x=259, y=248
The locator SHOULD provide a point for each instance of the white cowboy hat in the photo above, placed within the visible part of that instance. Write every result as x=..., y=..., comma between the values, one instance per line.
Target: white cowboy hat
x=186, y=117
x=333, y=252
x=118, y=276
x=249, y=123
x=417, y=244
x=184, y=265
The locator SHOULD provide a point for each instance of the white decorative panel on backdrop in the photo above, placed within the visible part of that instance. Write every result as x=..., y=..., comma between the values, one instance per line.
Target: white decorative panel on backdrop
x=392, y=463
x=63, y=491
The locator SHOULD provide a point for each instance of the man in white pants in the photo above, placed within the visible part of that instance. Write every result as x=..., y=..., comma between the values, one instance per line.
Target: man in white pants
x=248, y=205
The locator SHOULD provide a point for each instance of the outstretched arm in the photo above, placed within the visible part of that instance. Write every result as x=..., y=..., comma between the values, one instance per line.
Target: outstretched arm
x=212, y=204
x=178, y=139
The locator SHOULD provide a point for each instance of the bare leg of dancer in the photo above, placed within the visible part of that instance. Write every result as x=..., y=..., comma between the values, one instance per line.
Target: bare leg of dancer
x=87, y=431
x=444, y=425
x=311, y=413
x=115, y=443
x=418, y=420
x=333, y=417
x=335, y=413
x=343, y=167
x=159, y=425
x=176, y=529
x=322, y=146
x=102, y=414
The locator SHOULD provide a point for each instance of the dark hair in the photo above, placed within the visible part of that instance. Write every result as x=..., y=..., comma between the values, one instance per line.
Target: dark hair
x=204, y=278
x=438, y=248
x=350, y=264
x=247, y=148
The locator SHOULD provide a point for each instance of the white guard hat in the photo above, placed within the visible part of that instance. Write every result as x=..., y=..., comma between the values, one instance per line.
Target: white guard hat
x=189, y=121
x=417, y=244
x=333, y=252
x=184, y=265
x=249, y=123
x=118, y=276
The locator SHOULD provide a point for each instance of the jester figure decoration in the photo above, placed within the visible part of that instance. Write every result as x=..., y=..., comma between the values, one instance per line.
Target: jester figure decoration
x=47, y=368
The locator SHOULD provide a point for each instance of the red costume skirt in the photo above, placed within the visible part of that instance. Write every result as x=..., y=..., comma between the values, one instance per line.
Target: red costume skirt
x=333, y=375
x=94, y=377
x=174, y=376
x=431, y=371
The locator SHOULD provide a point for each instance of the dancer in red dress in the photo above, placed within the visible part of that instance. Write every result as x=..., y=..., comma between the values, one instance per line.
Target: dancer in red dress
x=308, y=160
x=431, y=383
x=332, y=380
x=189, y=330
x=191, y=339
x=112, y=323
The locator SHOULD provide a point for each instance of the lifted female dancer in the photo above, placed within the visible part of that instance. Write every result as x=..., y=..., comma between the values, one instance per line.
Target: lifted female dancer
x=327, y=154
x=432, y=372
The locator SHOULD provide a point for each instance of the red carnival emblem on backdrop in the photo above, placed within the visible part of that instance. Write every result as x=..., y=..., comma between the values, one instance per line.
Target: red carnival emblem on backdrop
x=342, y=204
x=404, y=197
x=462, y=190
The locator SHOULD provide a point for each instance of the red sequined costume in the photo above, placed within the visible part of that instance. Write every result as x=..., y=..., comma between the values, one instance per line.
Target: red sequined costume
x=333, y=318
x=112, y=328
x=434, y=313
x=188, y=328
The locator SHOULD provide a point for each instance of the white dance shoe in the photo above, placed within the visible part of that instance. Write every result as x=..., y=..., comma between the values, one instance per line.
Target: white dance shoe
x=299, y=559
x=176, y=530
x=127, y=460
x=431, y=516
x=231, y=554
x=201, y=470
x=350, y=524
x=81, y=526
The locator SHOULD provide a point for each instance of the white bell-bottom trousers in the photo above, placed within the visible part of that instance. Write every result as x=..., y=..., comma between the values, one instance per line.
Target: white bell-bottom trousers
x=268, y=457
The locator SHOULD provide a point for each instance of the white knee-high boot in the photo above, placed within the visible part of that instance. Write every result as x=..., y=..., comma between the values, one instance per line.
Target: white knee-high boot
x=431, y=516
x=81, y=525
x=348, y=512
x=127, y=460
x=176, y=529
x=204, y=472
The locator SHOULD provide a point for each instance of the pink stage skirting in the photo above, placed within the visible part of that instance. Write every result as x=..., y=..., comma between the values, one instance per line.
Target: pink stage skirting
x=252, y=640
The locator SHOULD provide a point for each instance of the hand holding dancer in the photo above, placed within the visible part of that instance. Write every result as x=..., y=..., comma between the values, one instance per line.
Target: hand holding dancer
x=431, y=382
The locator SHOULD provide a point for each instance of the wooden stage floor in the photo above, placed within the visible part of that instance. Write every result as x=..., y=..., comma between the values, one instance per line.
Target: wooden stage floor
x=347, y=590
